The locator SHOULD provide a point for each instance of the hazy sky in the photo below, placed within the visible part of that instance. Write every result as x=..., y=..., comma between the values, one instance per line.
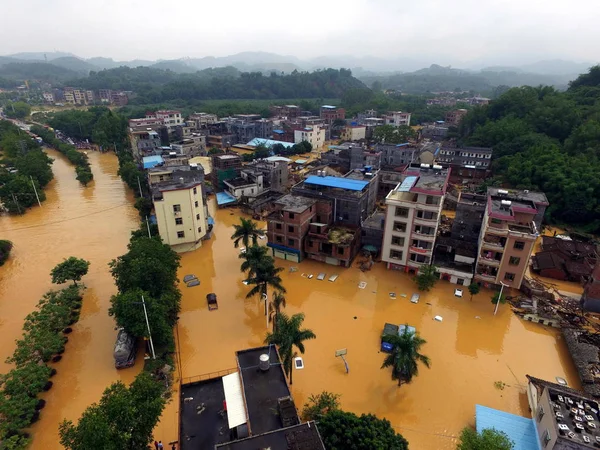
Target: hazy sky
x=444, y=31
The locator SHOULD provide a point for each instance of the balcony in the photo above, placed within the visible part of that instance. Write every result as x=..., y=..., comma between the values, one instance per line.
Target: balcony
x=425, y=222
x=492, y=245
x=421, y=250
x=489, y=261
x=498, y=229
x=485, y=277
x=419, y=235
x=525, y=229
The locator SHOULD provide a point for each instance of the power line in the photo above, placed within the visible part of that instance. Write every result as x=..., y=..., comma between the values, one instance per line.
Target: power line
x=65, y=220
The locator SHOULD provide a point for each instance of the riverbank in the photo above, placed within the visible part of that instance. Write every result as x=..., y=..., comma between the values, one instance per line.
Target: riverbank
x=94, y=223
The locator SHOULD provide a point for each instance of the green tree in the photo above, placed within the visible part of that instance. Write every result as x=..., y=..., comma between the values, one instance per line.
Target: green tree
x=254, y=257
x=427, y=277
x=289, y=336
x=265, y=274
x=276, y=304
x=390, y=134
x=497, y=298
x=489, y=439
x=84, y=175
x=5, y=249
x=346, y=431
x=17, y=110
x=70, y=269
x=37, y=165
x=474, y=289
x=405, y=357
x=319, y=405
x=123, y=419
x=247, y=231
x=214, y=151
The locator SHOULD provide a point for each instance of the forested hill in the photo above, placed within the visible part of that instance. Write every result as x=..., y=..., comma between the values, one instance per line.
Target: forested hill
x=155, y=85
x=547, y=140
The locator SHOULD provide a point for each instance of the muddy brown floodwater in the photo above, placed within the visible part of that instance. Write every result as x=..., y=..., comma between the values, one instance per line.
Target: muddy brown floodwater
x=94, y=223
x=470, y=350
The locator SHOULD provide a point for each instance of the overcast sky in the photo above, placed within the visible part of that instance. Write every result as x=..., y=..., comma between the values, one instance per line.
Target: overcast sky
x=441, y=31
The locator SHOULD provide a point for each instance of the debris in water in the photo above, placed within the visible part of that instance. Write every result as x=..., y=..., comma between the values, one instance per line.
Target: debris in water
x=477, y=317
x=355, y=317
x=438, y=318
x=392, y=295
x=362, y=285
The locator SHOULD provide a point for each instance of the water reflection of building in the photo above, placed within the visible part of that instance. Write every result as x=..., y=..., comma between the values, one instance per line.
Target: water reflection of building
x=245, y=408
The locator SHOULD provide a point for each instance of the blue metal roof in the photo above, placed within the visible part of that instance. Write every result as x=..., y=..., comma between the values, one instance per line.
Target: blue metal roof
x=403, y=145
x=329, y=106
x=519, y=429
x=407, y=184
x=279, y=131
x=269, y=142
x=224, y=198
x=337, y=182
x=301, y=161
x=151, y=161
x=211, y=221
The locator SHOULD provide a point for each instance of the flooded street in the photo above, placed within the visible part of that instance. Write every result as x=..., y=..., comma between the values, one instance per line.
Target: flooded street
x=93, y=223
x=470, y=350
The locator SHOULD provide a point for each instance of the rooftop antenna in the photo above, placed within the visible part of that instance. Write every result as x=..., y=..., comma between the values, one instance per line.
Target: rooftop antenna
x=341, y=353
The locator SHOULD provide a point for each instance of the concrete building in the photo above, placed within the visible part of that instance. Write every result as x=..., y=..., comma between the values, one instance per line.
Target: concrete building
x=508, y=233
x=164, y=174
x=397, y=155
x=565, y=419
x=288, y=225
x=170, y=118
x=225, y=167
x=345, y=157
x=275, y=171
x=413, y=212
x=181, y=214
x=329, y=113
x=372, y=230
x=48, y=97
x=397, y=118
x=469, y=164
x=565, y=259
x=144, y=142
x=192, y=145
x=455, y=116
x=455, y=249
x=590, y=300
x=285, y=111
x=353, y=133
x=315, y=136
x=201, y=120
x=353, y=196
x=332, y=244
x=436, y=131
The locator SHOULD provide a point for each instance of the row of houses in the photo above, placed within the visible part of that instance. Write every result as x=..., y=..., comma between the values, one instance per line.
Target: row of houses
x=78, y=96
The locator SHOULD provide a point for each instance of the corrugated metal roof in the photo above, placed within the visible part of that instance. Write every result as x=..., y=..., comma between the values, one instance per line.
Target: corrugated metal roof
x=518, y=429
x=337, y=182
x=151, y=161
x=236, y=411
x=407, y=184
x=224, y=198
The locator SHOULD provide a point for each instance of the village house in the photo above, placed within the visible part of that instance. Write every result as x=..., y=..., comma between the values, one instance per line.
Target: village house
x=468, y=164
x=314, y=135
x=353, y=133
x=330, y=113
x=564, y=259
x=225, y=166
x=455, y=116
x=397, y=118
x=590, y=300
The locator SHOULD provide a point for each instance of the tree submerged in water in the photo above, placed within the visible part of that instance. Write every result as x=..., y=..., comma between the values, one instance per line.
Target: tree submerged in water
x=488, y=439
x=70, y=269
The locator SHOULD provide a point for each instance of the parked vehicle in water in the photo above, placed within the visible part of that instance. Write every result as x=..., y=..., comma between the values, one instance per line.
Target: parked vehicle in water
x=125, y=350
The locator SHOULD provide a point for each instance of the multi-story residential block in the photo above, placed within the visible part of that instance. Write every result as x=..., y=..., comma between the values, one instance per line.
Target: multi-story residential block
x=263, y=128
x=330, y=113
x=144, y=142
x=455, y=116
x=508, y=234
x=170, y=118
x=105, y=95
x=397, y=118
x=436, y=131
x=202, y=120
x=148, y=122
x=119, y=98
x=315, y=136
x=48, y=97
x=413, y=213
x=397, y=155
x=350, y=156
x=332, y=244
x=181, y=214
x=467, y=163
x=275, y=172
x=353, y=196
x=353, y=133
x=69, y=95
x=193, y=145
x=226, y=166
x=285, y=111
x=288, y=225
x=169, y=174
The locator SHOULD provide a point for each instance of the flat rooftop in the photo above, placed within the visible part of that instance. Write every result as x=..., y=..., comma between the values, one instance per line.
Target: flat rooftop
x=536, y=197
x=428, y=180
x=262, y=389
x=295, y=203
x=576, y=418
x=239, y=182
x=302, y=437
x=227, y=156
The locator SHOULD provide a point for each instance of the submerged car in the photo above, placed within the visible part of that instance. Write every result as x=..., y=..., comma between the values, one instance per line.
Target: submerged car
x=125, y=350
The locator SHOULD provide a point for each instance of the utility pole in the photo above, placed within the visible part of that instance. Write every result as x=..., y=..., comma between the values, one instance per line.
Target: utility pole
x=35, y=190
x=499, y=297
x=148, y=325
x=16, y=201
x=266, y=299
x=140, y=186
x=148, y=225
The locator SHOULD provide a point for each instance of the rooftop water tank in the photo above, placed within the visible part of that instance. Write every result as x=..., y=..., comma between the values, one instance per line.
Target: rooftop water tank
x=264, y=362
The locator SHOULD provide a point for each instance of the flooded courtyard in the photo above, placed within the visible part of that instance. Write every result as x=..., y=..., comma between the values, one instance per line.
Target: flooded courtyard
x=470, y=349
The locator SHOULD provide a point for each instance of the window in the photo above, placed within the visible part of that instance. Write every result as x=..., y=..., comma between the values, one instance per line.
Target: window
x=197, y=216
x=310, y=242
x=509, y=276
x=398, y=241
x=318, y=218
x=278, y=226
x=547, y=438
x=401, y=212
x=180, y=234
x=540, y=413
x=196, y=204
x=340, y=250
x=496, y=221
x=519, y=245
x=514, y=260
x=178, y=221
x=199, y=229
x=400, y=227
x=290, y=228
x=395, y=254
x=195, y=191
x=278, y=239
x=176, y=208
x=292, y=215
x=291, y=242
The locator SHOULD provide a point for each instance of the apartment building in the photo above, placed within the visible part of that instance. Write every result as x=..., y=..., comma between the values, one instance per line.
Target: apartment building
x=226, y=166
x=288, y=225
x=353, y=133
x=168, y=174
x=181, y=214
x=454, y=117
x=509, y=230
x=315, y=136
x=397, y=155
x=170, y=118
x=48, y=97
x=413, y=212
x=468, y=164
x=329, y=113
x=201, y=120
x=144, y=142
x=285, y=111
x=397, y=118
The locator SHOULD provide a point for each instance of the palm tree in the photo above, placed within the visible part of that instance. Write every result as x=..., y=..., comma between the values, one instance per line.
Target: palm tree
x=246, y=231
x=253, y=257
x=265, y=274
x=405, y=356
x=288, y=336
x=276, y=304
